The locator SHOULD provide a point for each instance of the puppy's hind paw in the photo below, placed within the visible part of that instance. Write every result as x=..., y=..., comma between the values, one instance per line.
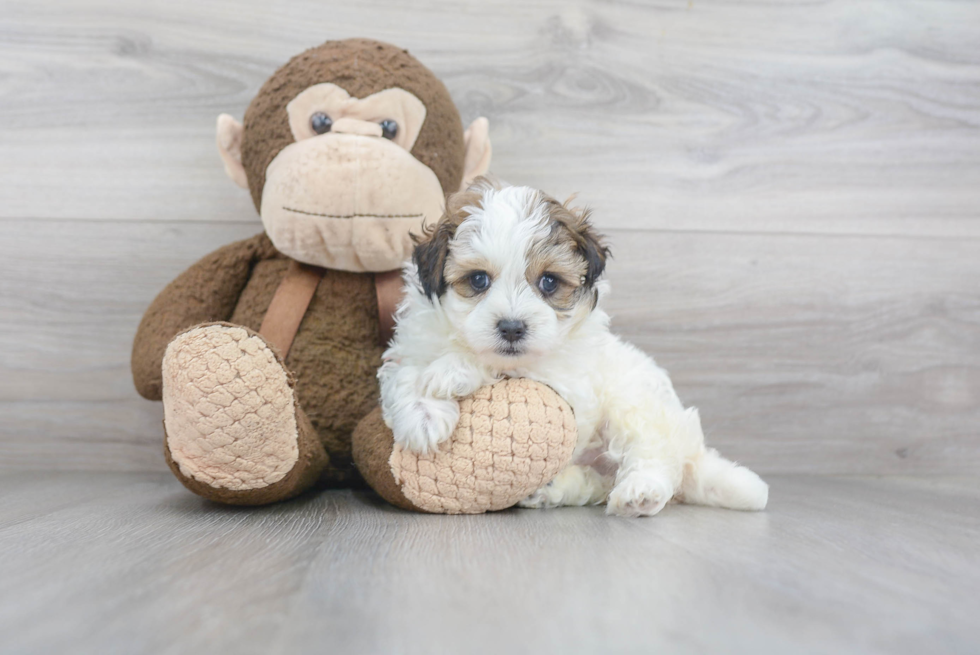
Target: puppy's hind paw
x=640, y=493
x=544, y=498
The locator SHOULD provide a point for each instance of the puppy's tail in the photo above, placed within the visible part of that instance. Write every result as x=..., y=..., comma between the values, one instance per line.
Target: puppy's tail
x=717, y=482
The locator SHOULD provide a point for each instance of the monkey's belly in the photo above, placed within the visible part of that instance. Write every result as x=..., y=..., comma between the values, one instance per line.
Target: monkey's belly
x=334, y=357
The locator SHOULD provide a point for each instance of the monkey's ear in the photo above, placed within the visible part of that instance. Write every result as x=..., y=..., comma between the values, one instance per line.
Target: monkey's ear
x=230, y=147
x=478, y=151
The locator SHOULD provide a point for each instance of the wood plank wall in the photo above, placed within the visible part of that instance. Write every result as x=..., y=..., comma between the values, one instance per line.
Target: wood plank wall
x=792, y=191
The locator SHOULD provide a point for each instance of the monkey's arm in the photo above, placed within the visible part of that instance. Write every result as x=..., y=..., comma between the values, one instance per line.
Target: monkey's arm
x=207, y=291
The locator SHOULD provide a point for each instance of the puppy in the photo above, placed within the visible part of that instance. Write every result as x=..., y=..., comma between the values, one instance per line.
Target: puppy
x=507, y=284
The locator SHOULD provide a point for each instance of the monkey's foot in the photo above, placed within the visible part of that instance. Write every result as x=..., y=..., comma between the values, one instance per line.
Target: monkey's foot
x=234, y=432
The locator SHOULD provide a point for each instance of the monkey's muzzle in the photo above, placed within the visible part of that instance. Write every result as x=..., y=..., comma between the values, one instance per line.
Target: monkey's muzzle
x=348, y=202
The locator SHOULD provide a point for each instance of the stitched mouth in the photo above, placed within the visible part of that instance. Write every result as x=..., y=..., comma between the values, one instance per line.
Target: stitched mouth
x=306, y=213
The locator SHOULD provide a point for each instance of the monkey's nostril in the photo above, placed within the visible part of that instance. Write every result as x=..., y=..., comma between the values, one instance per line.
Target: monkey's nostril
x=511, y=330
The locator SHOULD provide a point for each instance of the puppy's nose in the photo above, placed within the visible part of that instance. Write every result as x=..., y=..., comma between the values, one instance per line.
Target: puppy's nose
x=511, y=330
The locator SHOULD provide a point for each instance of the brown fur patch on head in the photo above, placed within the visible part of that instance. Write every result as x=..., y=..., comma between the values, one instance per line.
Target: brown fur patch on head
x=457, y=272
x=432, y=247
x=361, y=67
x=574, y=253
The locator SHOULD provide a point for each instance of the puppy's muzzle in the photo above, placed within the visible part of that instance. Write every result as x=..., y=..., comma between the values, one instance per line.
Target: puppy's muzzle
x=511, y=330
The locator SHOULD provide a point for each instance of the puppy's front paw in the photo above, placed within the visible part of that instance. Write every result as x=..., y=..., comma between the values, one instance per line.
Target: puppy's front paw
x=640, y=493
x=426, y=424
x=449, y=377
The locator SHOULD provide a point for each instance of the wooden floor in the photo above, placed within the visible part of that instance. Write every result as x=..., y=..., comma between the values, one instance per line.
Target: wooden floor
x=132, y=563
x=792, y=193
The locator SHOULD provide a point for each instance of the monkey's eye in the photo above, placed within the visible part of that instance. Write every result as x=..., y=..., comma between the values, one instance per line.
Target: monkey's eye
x=389, y=128
x=548, y=284
x=480, y=281
x=320, y=122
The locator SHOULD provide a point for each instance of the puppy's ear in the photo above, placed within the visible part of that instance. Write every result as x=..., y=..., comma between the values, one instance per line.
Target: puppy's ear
x=590, y=244
x=432, y=248
x=430, y=255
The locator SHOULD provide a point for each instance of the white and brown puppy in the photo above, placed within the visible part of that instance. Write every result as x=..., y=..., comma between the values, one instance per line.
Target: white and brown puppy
x=507, y=285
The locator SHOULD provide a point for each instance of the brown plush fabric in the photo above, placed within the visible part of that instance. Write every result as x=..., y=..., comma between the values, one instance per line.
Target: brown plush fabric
x=335, y=354
x=206, y=292
x=361, y=67
x=373, y=443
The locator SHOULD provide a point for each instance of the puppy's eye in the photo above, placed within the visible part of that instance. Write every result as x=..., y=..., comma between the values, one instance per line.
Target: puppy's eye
x=480, y=281
x=320, y=122
x=389, y=128
x=548, y=284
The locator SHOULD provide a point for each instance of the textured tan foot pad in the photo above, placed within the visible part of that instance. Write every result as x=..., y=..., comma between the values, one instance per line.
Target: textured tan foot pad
x=513, y=437
x=229, y=411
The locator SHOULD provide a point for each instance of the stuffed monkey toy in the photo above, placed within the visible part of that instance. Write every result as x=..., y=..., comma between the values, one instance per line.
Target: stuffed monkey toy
x=265, y=352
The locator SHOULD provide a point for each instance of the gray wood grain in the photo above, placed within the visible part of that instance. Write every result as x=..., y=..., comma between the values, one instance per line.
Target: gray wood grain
x=791, y=190
x=740, y=116
x=114, y=562
x=792, y=193
x=804, y=353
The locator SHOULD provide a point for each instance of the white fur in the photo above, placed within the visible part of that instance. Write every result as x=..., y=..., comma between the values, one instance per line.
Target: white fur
x=625, y=405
